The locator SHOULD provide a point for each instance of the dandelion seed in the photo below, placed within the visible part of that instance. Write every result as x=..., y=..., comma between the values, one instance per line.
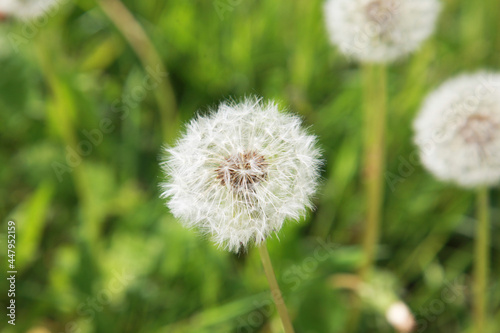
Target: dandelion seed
x=380, y=31
x=458, y=130
x=238, y=173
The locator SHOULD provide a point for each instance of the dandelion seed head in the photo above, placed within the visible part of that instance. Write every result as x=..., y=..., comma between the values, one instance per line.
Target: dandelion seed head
x=26, y=9
x=458, y=130
x=380, y=31
x=400, y=317
x=240, y=172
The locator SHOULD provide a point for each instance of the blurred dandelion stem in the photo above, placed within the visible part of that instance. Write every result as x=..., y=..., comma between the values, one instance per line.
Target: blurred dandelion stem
x=275, y=289
x=135, y=35
x=481, y=254
x=375, y=105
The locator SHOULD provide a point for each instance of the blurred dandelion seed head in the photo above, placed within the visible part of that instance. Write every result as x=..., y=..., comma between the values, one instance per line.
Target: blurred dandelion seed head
x=238, y=173
x=400, y=317
x=458, y=130
x=27, y=9
x=380, y=31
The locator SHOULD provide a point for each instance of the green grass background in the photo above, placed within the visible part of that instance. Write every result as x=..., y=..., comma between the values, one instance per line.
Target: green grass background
x=104, y=218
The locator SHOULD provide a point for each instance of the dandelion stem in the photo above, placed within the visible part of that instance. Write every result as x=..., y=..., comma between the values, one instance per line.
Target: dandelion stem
x=375, y=99
x=481, y=253
x=150, y=59
x=275, y=289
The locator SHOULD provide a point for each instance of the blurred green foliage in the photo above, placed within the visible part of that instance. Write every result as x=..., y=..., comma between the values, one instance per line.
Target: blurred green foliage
x=98, y=251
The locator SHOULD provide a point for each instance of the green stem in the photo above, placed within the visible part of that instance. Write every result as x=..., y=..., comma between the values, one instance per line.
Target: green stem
x=275, y=289
x=375, y=105
x=375, y=100
x=149, y=57
x=481, y=254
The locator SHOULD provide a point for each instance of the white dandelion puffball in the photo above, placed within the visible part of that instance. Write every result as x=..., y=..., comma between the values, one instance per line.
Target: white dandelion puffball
x=458, y=130
x=238, y=173
x=27, y=9
x=380, y=31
